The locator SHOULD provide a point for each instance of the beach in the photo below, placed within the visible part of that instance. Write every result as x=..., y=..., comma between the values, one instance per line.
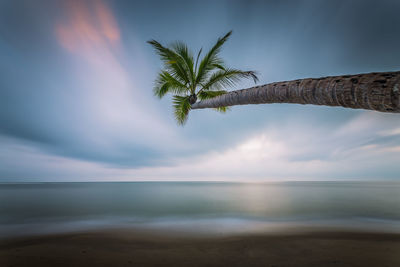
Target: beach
x=141, y=248
x=199, y=133
x=200, y=224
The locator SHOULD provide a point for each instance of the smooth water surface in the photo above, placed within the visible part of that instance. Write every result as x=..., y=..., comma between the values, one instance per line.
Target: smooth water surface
x=197, y=206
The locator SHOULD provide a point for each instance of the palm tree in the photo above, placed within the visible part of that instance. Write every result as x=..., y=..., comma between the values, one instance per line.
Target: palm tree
x=189, y=81
x=373, y=91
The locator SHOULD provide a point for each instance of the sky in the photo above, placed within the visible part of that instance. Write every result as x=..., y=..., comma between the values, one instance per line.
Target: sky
x=76, y=101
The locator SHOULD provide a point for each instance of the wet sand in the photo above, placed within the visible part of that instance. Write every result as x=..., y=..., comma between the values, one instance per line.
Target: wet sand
x=138, y=248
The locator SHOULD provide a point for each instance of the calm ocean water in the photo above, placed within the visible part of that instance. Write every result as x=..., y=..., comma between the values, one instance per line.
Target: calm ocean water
x=201, y=207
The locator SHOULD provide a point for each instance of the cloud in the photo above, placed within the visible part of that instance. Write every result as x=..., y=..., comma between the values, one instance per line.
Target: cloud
x=89, y=24
x=76, y=80
x=354, y=150
x=20, y=161
x=94, y=105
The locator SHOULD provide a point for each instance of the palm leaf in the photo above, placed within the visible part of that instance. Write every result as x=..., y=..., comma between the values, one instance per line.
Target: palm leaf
x=182, y=50
x=211, y=59
x=222, y=109
x=219, y=66
x=182, y=76
x=182, y=107
x=210, y=94
x=166, y=83
x=227, y=77
x=172, y=61
x=197, y=60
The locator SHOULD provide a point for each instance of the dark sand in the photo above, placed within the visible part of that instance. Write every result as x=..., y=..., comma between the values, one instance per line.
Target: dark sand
x=130, y=248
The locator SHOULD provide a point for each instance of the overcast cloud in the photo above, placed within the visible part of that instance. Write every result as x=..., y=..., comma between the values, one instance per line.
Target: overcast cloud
x=76, y=99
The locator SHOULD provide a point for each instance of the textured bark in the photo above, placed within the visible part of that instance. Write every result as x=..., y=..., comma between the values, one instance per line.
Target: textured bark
x=373, y=91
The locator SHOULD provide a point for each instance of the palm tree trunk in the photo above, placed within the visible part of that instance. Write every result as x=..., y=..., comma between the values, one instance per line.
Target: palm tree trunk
x=373, y=91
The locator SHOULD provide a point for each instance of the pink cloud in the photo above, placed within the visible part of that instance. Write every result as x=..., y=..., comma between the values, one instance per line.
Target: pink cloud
x=87, y=26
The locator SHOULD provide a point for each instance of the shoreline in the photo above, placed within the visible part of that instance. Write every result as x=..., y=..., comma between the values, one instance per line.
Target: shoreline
x=130, y=247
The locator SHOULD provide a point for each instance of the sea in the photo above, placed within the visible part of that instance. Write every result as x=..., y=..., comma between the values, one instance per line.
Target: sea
x=199, y=208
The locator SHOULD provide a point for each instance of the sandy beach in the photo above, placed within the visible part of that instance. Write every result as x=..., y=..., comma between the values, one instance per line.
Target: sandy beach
x=133, y=248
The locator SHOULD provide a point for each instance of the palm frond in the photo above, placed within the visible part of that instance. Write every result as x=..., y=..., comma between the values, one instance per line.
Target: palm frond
x=197, y=60
x=182, y=50
x=211, y=59
x=166, y=83
x=182, y=107
x=219, y=66
x=222, y=109
x=172, y=61
x=227, y=77
x=182, y=76
x=210, y=94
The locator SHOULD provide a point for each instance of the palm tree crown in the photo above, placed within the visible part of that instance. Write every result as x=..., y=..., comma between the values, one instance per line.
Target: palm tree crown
x=190, y=79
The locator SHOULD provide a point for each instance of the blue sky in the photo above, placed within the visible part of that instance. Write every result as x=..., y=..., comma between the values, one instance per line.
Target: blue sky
x=76, y=99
